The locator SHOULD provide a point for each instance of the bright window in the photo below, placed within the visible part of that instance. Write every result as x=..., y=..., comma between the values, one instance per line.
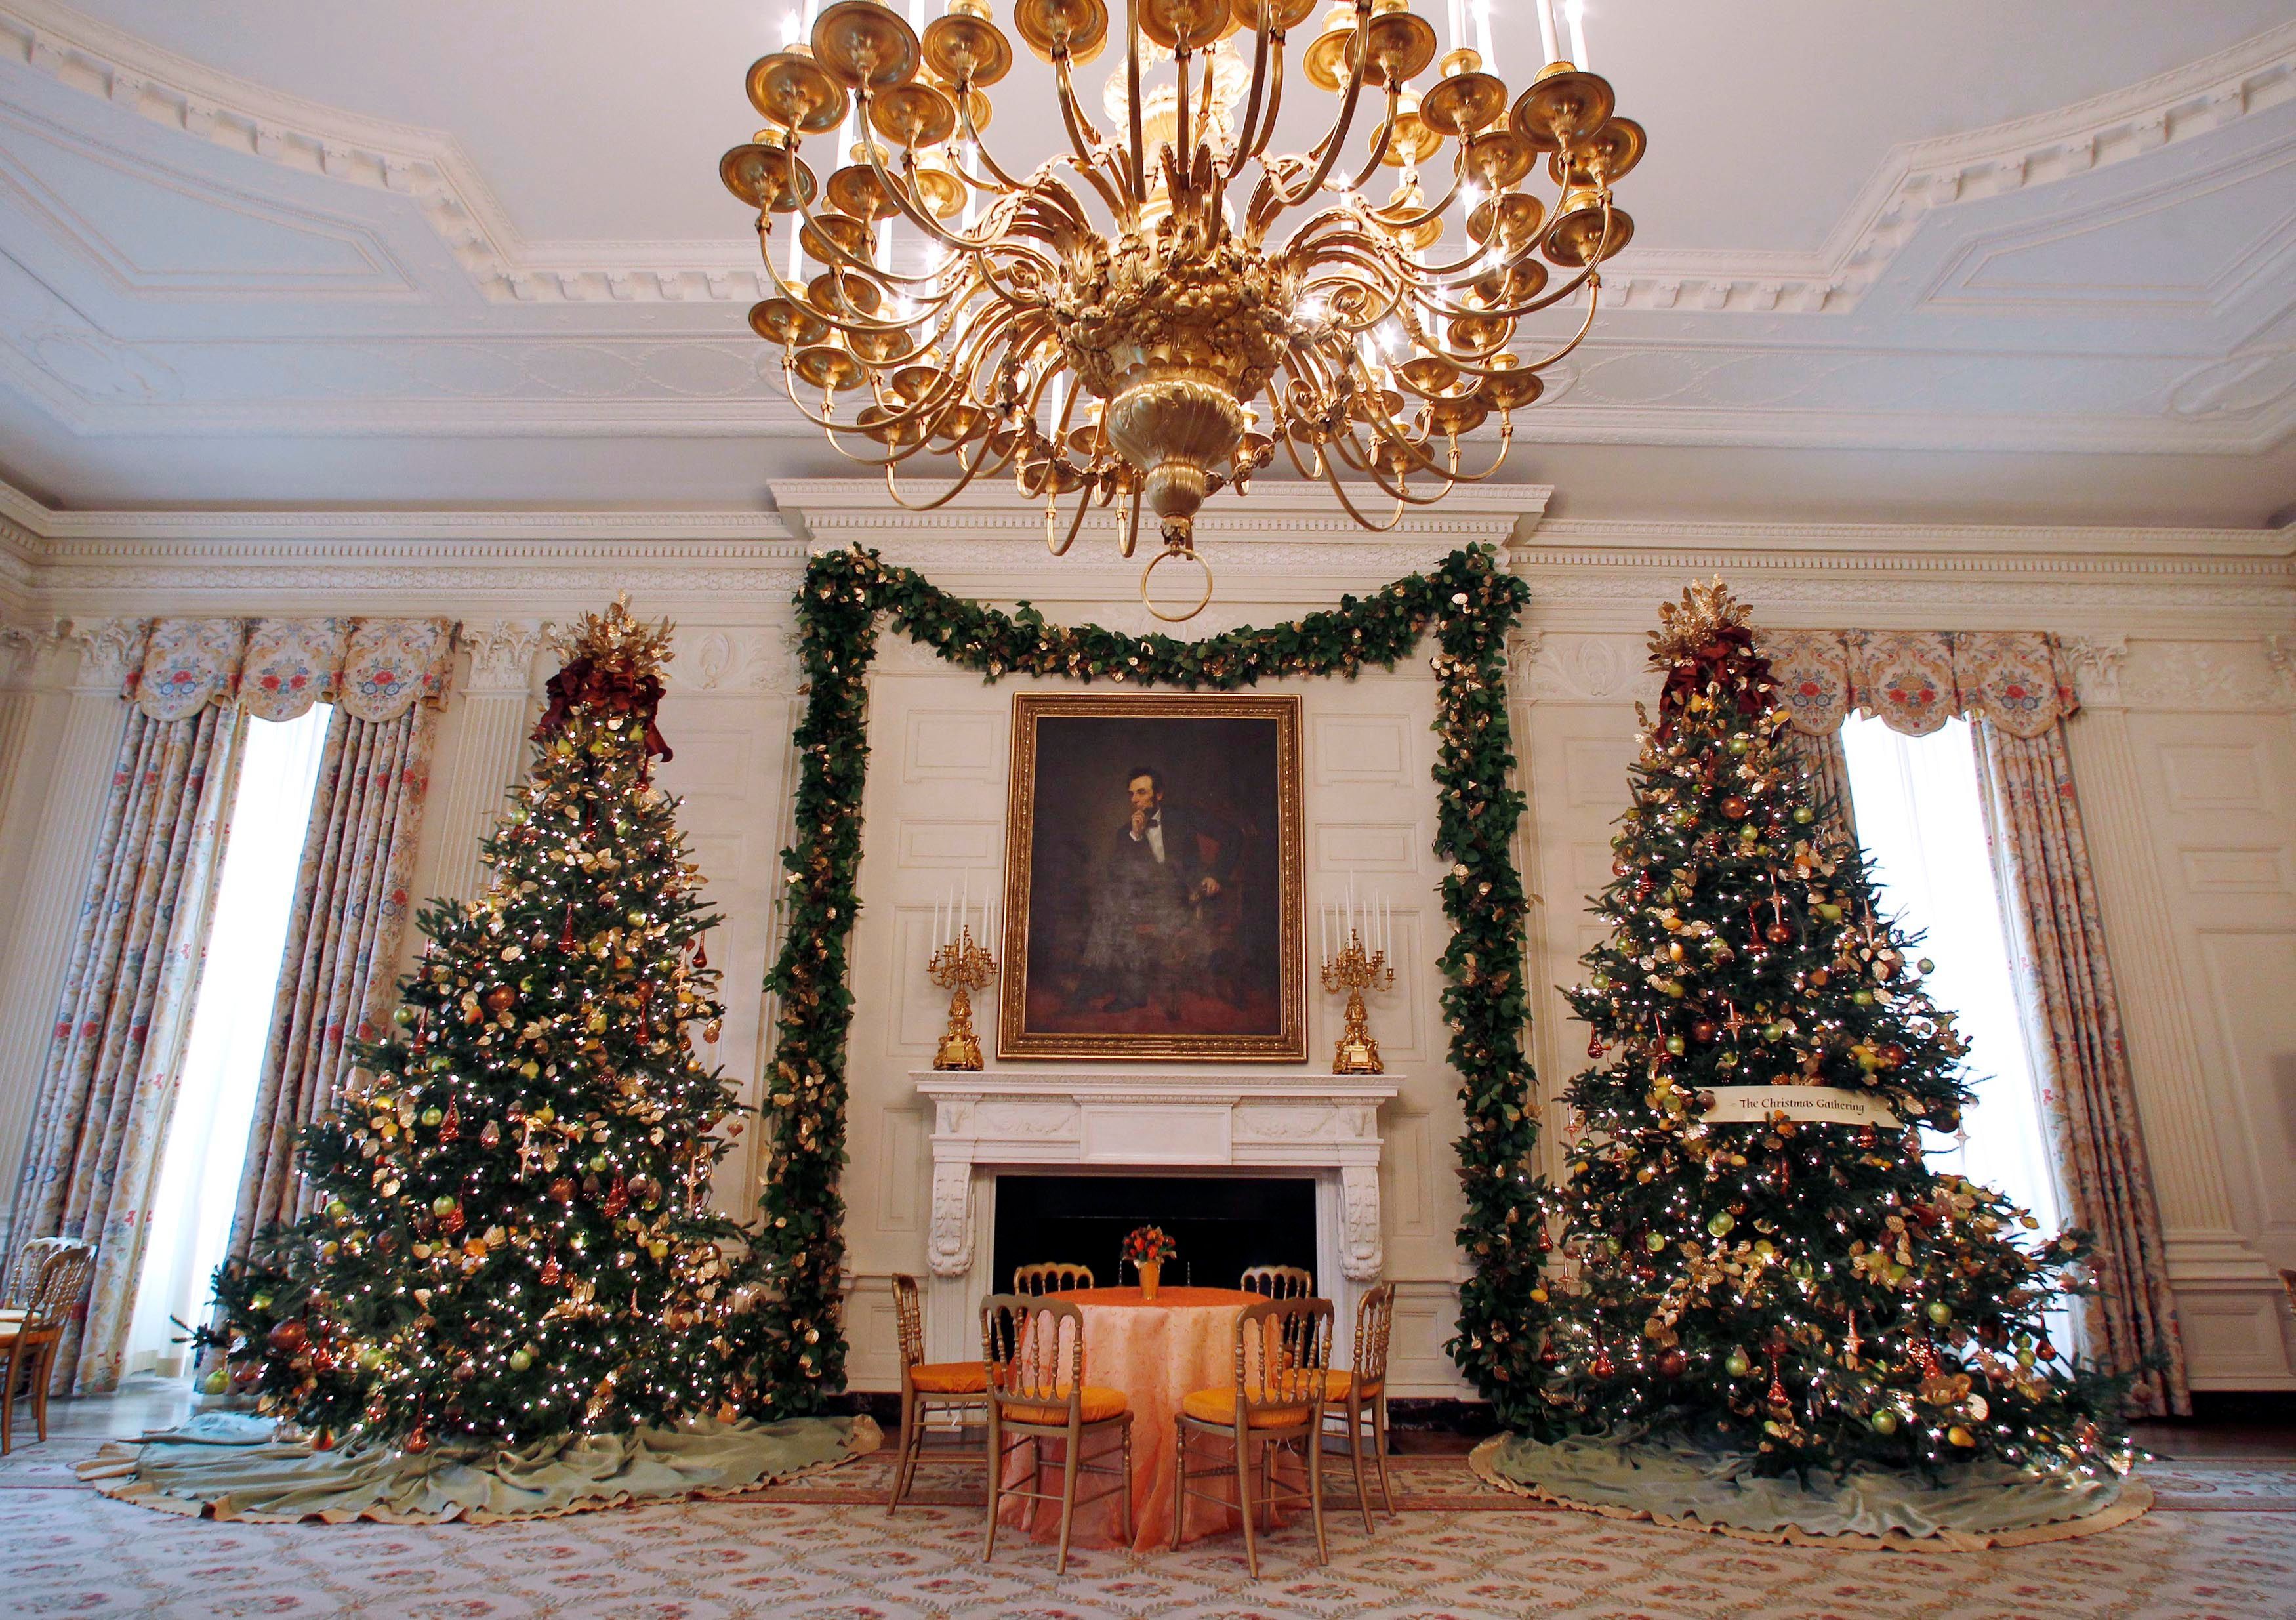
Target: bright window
x=230, y=1025
x=1923, y=823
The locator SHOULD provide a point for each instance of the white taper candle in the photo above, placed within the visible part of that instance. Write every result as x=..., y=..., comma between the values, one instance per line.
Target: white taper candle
x=1575, y=10
x=1546, y=40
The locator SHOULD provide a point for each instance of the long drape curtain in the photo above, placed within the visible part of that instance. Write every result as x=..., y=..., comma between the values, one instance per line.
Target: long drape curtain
x=350, y=912
x=2015, y=686
x=1828, y=768
x=2042, y=858
x=107, y=1084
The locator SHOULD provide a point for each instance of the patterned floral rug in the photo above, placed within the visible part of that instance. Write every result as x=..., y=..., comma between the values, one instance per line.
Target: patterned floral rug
x=2220, y=1542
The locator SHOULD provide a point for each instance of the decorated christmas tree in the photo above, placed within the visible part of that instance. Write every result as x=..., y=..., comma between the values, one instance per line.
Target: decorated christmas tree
x=512, y=1237
x=1764, y=1261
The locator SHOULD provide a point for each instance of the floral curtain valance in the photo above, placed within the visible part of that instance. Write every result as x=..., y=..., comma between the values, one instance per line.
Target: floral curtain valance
x=1916, y=681
x=376, y=669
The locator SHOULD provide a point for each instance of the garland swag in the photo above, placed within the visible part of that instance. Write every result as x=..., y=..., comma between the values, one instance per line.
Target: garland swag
x=1470, y=603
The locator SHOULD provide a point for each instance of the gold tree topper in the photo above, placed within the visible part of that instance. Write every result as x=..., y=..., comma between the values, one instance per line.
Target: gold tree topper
x=618, y=643
x=1704, y=613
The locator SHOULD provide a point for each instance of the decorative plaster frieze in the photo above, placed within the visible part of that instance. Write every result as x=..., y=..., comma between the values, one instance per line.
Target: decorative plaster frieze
x=721, y=659
x=2203, y=675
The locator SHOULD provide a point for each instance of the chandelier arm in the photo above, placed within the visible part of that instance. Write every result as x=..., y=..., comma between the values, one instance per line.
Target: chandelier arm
x=1413, y=221
x=1076, y=524
x=923, y=218
x=1330, y=155
x=1379, y=146
x=1132, y=87
x=1007, y=182
x=1181, y=147
x=1275, y=101
x=1332, y=477
x=852, y=264
x=1513, y=311
x=1083, y=137
x=1586, y=324
x=1250, y=126
x=972, y=470
x=1130, y=536
x=1397, y=491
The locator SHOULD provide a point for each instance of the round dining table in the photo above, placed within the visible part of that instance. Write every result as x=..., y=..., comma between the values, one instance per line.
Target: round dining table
x=1157, y=1351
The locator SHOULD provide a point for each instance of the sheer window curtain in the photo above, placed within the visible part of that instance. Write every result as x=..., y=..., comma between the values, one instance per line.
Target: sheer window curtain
x=206, y=1139
x=350, y=915
x=1925, y=834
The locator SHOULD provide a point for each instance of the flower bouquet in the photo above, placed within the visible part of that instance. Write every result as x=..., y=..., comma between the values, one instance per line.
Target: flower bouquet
x=1148, y=1247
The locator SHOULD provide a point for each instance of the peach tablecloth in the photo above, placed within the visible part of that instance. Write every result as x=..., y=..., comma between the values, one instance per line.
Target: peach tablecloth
x=1156, y=1352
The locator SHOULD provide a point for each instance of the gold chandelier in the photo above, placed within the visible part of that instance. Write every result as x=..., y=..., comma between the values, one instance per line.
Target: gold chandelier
x=1121, y=324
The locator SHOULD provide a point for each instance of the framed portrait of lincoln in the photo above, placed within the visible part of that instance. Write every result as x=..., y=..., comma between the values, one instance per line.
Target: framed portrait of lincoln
x=1151, y=879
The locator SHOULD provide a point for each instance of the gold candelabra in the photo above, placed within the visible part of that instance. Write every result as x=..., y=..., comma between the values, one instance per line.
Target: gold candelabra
x=960, y=967
x=1356, y=970
x=1127, y=322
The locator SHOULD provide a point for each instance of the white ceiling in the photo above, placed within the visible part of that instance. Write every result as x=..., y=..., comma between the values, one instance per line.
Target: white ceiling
x=1952, y=262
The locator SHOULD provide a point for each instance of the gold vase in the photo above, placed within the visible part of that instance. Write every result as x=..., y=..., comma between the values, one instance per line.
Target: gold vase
x=1152, y=1272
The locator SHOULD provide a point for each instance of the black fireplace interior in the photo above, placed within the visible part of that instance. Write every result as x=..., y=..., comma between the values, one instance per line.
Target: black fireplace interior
x=1222, y=1224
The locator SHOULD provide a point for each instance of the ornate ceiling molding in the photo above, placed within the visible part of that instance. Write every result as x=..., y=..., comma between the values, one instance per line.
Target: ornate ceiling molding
x=1916, y=178
x=2050, y=576
x=431, y=169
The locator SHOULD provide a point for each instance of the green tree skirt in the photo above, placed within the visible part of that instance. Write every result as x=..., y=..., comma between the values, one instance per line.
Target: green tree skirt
x=225, y=1466
x=1976, y=1504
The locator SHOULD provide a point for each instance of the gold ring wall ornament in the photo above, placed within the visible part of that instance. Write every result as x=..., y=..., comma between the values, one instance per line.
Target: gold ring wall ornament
x=1167, y=305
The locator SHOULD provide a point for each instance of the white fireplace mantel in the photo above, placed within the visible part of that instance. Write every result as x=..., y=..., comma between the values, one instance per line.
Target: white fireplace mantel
x=1325, y=1123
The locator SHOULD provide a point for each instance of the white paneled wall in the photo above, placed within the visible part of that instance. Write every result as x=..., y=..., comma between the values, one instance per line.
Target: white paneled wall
x=2185, y=760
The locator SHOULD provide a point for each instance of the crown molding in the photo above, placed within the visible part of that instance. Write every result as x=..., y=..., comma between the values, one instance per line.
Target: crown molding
x=1284, y=543
x=2062, y=143
x=113, y=64
x=1896, y=575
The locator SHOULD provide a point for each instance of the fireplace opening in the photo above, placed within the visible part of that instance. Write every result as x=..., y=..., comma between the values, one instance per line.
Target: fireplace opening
x=1221, y=1223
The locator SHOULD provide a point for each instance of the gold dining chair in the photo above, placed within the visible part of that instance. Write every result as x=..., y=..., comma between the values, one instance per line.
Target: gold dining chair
x=1032, y=1350
x=1279, y=1282
x=1357, y=1396
x=30, y=1341
x=929, y=1388
x=24, y=1276
x=1283, y=1374
x=1050, y=1276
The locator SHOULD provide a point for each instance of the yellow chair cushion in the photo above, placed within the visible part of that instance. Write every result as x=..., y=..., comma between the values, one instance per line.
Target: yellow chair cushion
x=1340, y=1380
x=949, y=1378
x=1218, y=1406
x=1099, y=1406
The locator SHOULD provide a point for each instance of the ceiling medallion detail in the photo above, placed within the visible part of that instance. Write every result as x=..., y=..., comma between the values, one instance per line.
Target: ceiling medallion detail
x=1124, y=325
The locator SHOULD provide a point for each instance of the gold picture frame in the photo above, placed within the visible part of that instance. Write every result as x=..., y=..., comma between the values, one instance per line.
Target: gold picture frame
x=1174, y=932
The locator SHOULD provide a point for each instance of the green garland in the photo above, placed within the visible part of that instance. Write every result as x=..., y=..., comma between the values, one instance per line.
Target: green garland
x=1469, y=602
